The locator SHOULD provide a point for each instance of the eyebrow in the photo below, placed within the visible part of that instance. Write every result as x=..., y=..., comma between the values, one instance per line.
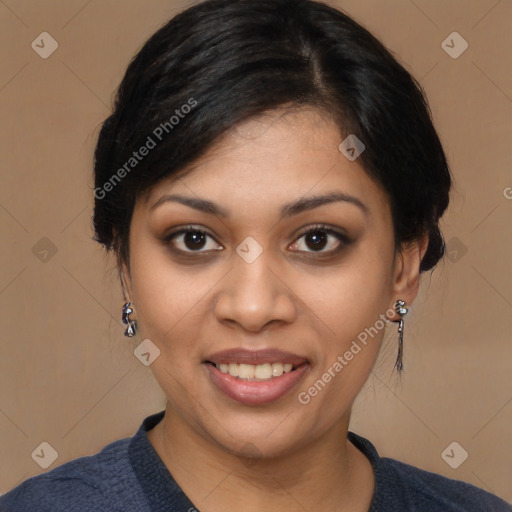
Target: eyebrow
x=287, y=210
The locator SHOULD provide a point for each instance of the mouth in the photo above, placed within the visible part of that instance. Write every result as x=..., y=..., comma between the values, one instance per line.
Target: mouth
x=258, y=373
x=256, y=377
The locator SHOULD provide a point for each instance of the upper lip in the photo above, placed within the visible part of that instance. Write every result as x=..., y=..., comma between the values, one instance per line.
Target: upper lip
x=255, y=357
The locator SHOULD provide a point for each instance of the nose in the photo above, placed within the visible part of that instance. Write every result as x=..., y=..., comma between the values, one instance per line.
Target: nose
x=255, y=295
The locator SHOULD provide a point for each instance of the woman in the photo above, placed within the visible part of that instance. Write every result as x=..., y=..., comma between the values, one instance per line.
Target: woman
x=271, y=184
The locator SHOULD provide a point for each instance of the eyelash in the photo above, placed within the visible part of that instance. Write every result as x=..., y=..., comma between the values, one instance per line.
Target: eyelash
x=343, y=239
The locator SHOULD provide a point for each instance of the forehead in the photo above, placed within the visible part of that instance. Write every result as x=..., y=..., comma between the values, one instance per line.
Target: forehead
x=273, y=158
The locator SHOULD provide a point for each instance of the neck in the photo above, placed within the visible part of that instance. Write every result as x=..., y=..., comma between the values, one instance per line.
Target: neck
x=328, y=473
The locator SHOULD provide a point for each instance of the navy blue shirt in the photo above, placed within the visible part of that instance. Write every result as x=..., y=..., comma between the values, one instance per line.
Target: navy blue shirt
x=129, y=476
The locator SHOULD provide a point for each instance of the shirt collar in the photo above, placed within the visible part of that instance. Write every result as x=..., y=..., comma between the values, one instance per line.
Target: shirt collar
x=160, y=489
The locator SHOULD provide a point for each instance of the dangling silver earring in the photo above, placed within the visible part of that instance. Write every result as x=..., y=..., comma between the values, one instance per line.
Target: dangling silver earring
x=132, y=324
x=401, y=309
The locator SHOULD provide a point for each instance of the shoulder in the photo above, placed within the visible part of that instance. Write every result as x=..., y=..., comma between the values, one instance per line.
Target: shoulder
x=400, y=486
x=83, y=484
x=423, y=490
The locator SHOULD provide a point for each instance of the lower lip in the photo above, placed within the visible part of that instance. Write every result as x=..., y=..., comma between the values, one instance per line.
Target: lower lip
x=253, y=392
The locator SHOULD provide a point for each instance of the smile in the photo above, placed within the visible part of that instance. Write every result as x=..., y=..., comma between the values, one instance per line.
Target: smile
x=254, y=377
x=264, y=371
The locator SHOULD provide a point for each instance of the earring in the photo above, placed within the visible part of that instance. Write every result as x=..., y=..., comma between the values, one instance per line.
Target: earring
x=132, y=324
x=401, y=309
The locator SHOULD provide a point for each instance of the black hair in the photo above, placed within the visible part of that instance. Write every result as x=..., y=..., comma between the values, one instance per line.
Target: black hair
x=220, y=62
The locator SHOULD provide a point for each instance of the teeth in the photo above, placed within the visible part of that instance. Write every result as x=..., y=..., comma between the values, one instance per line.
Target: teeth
x=233, y=369
x=277, y=369
x=245, y=371
x=264, y=371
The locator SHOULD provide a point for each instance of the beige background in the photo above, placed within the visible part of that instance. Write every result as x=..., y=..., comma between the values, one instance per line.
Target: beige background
x=68, y=376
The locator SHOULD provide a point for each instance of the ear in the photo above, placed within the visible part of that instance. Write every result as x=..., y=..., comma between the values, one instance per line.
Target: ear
x=126, y=281
x=406, y=278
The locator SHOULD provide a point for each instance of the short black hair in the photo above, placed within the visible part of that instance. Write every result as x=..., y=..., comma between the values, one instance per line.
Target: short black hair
x=220, y=62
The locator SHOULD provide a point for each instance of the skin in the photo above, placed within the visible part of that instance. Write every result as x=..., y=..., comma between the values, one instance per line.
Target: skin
x=295, y=297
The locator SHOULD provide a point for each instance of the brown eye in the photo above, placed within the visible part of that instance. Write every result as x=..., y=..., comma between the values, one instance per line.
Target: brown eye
x=318, y=238
x=194, y=240
x=191, y=239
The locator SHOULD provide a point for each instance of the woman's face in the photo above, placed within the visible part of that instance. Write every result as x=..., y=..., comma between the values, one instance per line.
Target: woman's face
x=255, y=295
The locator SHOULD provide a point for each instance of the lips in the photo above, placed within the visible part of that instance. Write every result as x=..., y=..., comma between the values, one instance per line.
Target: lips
x=255, y=357
x=255, y=391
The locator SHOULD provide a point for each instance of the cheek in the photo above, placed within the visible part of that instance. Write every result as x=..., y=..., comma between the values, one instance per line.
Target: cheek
x=349, y=331
x=169, y=298
x=349, y=298
x=349, y=308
